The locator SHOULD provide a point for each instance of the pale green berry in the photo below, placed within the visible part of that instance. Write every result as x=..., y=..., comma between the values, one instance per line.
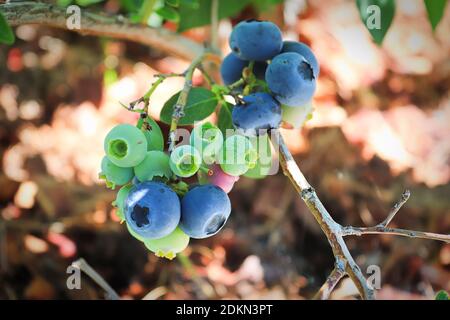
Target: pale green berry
x=207, y=139
x=153, y=134
x=155, y=164
x=114, y=175
x=185, y=161
x=125, y=145
x=264, y=162
x=237, y=155
x=120, y=200
x=296, y=116
x=168, y=246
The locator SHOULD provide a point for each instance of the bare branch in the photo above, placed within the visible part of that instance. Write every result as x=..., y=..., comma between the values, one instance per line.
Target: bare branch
x=331, y=228
x=359, y=231
x=333, y=279
x=86, y=268
x=397, y=206
x=30, y=12
x=382, y=228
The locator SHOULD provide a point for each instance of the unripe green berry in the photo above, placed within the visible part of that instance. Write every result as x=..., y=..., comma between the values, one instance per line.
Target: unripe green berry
x=296, y=116
x=114, y=175
x=185, y=161
x=237, y=155
x=170, y=245
x=155, y=164
x=264, y=162
x=125, y=145
x=120, y=200
x=207, y=139
x=153, y=134
x=134, y=234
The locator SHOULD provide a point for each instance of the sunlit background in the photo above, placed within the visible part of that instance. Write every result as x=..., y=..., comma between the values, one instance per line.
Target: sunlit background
x=381, y=125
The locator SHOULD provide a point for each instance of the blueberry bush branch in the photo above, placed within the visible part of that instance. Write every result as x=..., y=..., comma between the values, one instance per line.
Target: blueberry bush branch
x=331, y=228
x=118, y=27
x=183, y=99
x=345, y=265
x=333, y=279
x=382, y=227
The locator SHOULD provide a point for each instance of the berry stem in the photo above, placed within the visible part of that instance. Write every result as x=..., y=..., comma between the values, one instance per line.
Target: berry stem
x=183, y=98
x=215, y=24
x=236, y=84
x=146, y=11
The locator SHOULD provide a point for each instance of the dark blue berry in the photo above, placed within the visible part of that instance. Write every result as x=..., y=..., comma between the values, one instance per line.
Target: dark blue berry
x=291, y=79
x=305, y=51
x=152, y=210
x=258, y=111
x=204, y=211
x=256, y=40
x=232, y=67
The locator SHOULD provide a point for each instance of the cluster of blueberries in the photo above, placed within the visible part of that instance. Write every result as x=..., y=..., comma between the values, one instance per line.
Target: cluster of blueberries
x=159, y=209
x=284, y=76
x=268, y=78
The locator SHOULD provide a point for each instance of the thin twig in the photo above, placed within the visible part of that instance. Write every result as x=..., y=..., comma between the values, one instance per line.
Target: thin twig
x=359, y=231
x=398, y=205
x=118, y=27
x=382, y=228
x=178, y=109
x=86, y=268
x=333, y=279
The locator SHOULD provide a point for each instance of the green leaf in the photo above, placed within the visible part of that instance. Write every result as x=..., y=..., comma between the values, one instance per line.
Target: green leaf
x=225, y=122
x=435, y=10
x=194, y=4
x=6, y=33
x=201, y=103
x=442, y=295
x=377, y=16
x=168, y=13
x=173, y=3
x=131, y=5
x=265, y=5
x=201, y=15
x=85, y=3
x=64, y=3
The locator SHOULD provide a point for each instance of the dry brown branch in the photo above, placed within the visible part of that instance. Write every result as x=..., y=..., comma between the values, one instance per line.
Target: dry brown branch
x=117, y=27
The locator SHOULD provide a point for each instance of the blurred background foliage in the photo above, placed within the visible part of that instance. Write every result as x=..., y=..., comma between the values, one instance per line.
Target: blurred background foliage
x=381, y=124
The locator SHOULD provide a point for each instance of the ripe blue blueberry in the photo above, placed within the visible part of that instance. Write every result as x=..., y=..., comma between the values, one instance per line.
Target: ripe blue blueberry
x=305, y=51
x=232, y=67
x=291, y=79
x=204, y=211
x=258, y=111
x=152, y=210
x=256, y=40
